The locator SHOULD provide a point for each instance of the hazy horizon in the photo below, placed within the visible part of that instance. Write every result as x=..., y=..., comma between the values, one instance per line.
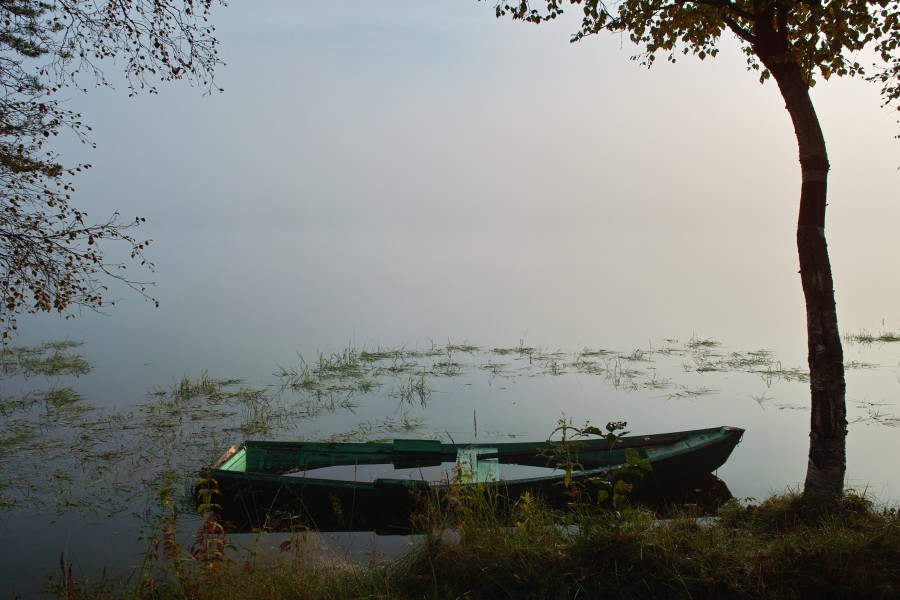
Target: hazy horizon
x=422, y=171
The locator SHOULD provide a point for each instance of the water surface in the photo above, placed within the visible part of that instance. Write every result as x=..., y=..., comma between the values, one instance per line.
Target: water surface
x=94, y=468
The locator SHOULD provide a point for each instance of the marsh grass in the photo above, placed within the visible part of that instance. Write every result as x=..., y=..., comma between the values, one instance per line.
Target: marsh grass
x=866, y=338
x=875, y=414
x=759, y=362
x=859, y=365
x=104, y=461
x=403, y=423
x=48, y=359
x=412, y=375
x=686, y=393
x=65, y=454
x=489, y=547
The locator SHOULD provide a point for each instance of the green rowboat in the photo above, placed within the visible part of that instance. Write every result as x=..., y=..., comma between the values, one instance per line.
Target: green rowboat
x=371, y=486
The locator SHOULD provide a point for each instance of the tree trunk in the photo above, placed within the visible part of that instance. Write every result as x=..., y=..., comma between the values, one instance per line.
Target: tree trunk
x=828, y=423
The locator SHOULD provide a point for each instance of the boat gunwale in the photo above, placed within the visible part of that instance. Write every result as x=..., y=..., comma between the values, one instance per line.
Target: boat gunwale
x=720, y=435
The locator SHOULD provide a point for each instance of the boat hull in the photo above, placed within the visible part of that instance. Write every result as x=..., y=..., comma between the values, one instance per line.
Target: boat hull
x=255, y=492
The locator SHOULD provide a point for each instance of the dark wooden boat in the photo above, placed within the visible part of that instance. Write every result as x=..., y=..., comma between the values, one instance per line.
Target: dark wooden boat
x=372, y=486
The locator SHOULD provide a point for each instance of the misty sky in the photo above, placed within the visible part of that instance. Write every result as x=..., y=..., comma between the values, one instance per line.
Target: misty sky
x=400, y=171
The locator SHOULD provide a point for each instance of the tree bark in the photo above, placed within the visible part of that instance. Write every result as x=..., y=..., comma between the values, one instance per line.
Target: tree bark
x=828, y=422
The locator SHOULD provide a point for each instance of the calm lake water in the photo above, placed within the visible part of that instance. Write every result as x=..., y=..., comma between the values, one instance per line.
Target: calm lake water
x=87, y=483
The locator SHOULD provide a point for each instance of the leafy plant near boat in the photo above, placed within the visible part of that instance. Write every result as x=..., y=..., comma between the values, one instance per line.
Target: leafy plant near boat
x=614, y=486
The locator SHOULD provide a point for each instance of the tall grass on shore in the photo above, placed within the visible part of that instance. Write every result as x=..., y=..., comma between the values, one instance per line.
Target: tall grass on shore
x=774, y=549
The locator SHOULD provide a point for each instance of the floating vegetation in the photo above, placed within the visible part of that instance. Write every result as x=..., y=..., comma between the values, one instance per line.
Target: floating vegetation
x=762, y=400
x=765, y=400
x=381, y=430
x=589, y=353
x=655, y=382
x=415, y=389
x=553, y=367
x=759, y=362
x=493, y=368
x=464, y=347
x=875, y=415
x=521, y=350
x=696, y=343
x=685, y=393
x=858, y=365
x=789, y=406
x=864, y=338
x=49, y=359
x=447, y=367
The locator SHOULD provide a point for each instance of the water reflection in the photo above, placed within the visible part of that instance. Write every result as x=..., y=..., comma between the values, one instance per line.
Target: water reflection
x=702, y=496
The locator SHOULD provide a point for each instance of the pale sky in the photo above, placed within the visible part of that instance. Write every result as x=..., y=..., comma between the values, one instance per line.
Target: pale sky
x=400, y=171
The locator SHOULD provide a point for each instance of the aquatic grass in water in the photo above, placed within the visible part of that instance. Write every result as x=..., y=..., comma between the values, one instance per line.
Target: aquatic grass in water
x=685, y=393
x=103, y=461
x=696, y=343
x=384, y=429
x=49, y=359
x=865, y=338
x=389, y=371
x=859, y=365
x=759, y=362
x=415, y=389
x=874, y=414
x=99, y=461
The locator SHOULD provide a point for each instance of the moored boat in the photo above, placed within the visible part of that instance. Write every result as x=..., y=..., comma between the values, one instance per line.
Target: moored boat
x=360, y=486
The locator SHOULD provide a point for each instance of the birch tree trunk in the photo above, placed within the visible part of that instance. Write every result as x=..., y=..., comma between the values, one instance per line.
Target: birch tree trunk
x=828, y=421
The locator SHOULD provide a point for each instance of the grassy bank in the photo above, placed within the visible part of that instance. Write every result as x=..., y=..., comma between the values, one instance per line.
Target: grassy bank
x=774, y=549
